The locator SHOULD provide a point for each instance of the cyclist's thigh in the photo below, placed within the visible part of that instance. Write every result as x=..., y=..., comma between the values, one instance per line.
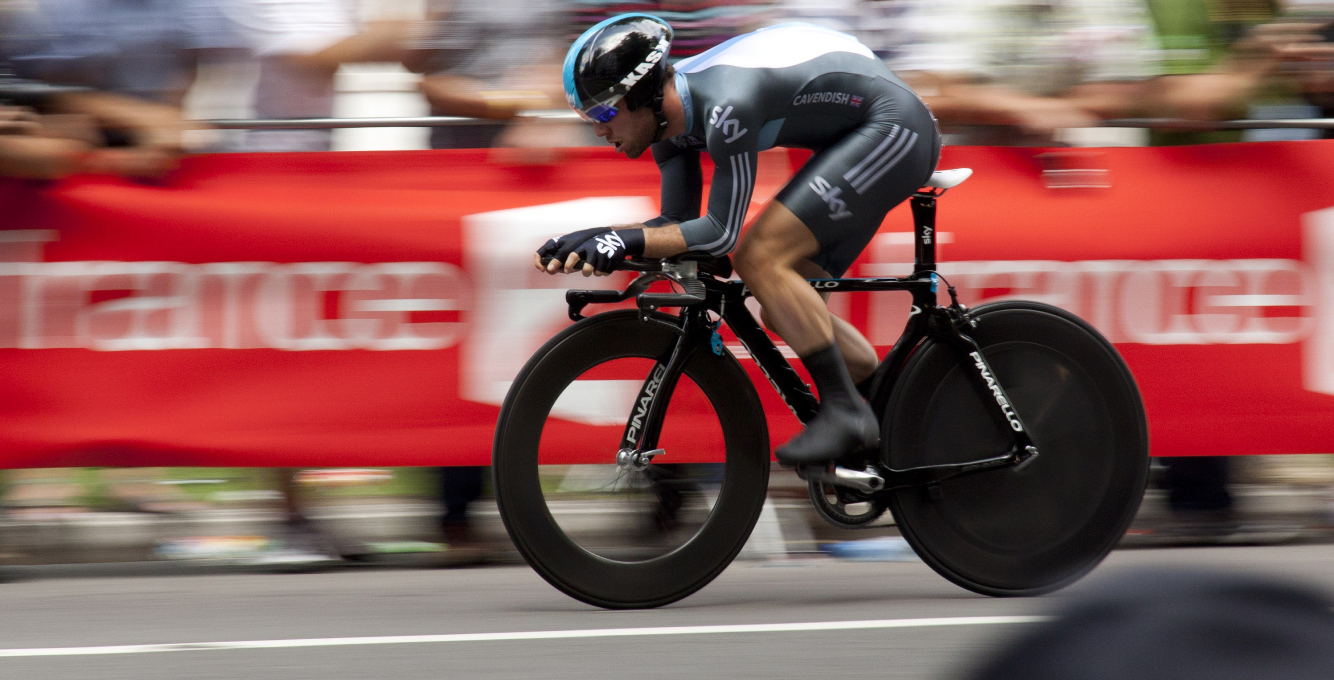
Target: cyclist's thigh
x=777, y=237
x=843, y=193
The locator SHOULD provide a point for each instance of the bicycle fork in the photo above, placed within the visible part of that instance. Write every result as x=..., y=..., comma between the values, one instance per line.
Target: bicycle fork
x=639, y=442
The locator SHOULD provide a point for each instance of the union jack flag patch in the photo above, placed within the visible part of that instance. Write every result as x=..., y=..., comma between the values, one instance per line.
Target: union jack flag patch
x=856, y=101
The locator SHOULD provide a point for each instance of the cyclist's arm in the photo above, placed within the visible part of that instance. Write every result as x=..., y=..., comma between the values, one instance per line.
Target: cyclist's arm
x=682, y=184
x=682, y=187
x=717, y=231
x=663, y=241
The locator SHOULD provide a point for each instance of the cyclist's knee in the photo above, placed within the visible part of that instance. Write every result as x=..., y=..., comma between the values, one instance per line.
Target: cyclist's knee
x=756, y=258
x=749, y=261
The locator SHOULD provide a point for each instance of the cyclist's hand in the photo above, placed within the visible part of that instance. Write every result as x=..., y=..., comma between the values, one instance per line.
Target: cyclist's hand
x=559, y=249
x=602, y=253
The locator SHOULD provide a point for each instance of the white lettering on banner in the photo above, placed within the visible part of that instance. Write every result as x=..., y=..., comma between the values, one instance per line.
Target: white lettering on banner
x=120, y=306
x=1152, y=302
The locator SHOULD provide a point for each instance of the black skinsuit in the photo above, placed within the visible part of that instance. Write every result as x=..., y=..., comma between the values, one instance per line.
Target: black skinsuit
x=803, y=86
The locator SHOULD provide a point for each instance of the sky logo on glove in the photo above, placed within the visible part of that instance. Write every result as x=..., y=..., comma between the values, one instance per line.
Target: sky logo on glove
x=609, y=243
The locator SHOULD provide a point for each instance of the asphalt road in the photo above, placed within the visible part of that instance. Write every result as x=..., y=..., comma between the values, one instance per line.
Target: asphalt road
x=367, y=623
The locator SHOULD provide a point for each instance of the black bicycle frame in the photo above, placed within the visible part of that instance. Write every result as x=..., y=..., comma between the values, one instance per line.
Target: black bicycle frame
x=696, y=331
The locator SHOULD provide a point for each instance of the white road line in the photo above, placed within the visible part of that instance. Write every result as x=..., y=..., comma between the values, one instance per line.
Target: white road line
x=528, y=635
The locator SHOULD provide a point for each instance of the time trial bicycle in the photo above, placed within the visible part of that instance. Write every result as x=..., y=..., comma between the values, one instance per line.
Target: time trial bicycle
x=1013, y=455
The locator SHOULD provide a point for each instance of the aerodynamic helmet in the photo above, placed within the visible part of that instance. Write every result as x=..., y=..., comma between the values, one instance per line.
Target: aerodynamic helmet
x=618, y=62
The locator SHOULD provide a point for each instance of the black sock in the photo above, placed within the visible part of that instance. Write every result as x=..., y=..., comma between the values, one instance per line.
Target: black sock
x=831, y=377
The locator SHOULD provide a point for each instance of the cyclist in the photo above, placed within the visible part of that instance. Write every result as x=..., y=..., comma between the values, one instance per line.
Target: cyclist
x=790, y=85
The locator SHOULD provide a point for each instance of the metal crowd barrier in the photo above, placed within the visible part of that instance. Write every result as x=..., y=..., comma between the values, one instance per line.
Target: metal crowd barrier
x=558, y=115
x=20, y=91
x=331, y=123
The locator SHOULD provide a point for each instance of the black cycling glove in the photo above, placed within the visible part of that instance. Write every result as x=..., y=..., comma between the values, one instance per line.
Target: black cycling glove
x=605, y=251
x=559, y=249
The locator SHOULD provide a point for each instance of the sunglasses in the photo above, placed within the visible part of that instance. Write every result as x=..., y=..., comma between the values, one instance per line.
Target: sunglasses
x=599, y=113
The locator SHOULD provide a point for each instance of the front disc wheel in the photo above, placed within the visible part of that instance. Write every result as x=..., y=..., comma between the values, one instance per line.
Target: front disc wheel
x=629, y=533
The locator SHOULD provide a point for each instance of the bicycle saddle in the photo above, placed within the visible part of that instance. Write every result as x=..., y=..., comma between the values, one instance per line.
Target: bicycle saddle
x=948, y=179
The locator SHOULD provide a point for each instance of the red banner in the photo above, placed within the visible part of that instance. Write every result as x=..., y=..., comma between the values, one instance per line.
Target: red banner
x=348, y=309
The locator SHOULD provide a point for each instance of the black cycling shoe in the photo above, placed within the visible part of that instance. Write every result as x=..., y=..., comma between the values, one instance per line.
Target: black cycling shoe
x=836, y=431
x=845, y=422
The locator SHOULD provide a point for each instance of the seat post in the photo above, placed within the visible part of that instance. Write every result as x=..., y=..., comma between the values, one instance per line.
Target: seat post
x=924, y=231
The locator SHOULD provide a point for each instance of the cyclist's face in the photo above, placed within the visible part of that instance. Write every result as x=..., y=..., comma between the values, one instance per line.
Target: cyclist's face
x=630, y=131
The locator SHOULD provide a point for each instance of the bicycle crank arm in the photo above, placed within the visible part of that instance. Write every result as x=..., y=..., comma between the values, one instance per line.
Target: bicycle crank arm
x=866, y=481
x=929, y=475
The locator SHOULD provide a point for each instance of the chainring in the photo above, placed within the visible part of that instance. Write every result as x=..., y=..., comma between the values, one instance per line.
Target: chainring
x=835, y=510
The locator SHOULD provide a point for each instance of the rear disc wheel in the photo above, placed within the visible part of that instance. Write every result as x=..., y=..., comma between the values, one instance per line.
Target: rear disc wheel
x=1031, y=530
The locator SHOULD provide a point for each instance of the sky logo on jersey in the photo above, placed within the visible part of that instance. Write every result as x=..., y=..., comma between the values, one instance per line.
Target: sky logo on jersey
x=827, y=98
x=838, y=209
x=730, y=126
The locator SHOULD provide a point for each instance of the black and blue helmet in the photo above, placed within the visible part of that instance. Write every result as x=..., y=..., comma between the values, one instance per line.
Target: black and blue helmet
x=618, y=62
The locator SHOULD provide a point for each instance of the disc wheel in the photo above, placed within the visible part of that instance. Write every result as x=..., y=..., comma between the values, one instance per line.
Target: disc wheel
x=619, y=536
x=1036, y=529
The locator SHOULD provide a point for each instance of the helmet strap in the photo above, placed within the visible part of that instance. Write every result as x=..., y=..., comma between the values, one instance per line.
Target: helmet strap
x=659, y=116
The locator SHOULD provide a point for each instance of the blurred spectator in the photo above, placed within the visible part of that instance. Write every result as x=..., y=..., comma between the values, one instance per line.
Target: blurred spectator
x=300, y=44
x=1311, y=63
x=1017, y=71
x=698, y=25
x=493, y=59
x=1195, y=39
x=136, y=57
x=878, y=24
x=32, y=147
x=1006, y=71
x=460, y=487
